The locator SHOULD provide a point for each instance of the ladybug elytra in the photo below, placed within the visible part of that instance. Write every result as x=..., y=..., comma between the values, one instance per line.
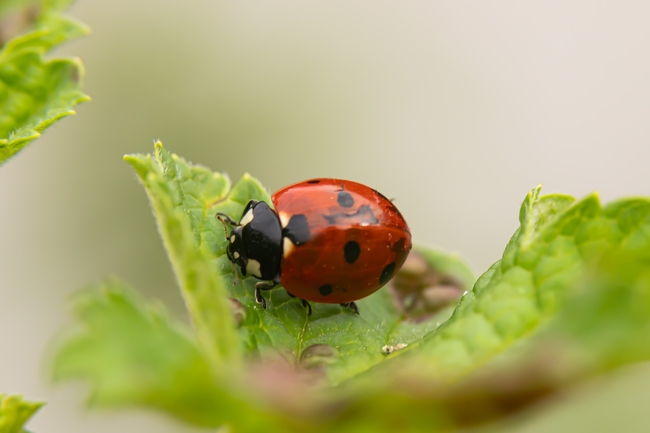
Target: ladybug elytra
x=327, y=240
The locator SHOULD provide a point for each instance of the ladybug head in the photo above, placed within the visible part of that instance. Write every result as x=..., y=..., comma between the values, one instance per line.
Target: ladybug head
x=235, y=250
x=255, y=242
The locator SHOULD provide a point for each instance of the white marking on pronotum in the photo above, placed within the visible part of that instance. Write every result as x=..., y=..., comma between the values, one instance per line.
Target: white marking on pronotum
x=253, y=268
x=235, y=255
x=284, y=219
x=287, y=247
x=246, y=218
x=232, y=239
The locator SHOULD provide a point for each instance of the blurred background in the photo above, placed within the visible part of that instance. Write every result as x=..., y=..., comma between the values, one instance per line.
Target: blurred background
x=455, y=109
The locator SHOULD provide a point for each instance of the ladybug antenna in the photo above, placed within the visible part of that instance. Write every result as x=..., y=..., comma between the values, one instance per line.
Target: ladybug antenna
x=225, y=229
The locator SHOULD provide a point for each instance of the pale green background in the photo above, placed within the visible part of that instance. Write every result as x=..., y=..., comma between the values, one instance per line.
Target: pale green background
x=455, y=109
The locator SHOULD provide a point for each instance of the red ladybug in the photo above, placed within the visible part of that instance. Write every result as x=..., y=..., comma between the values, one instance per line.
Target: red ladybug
x=328, y=240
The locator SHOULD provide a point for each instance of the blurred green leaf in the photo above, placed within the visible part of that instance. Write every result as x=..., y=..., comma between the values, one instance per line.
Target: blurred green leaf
x=134, y=353
x=609, y=317
x=15, y=412
x=34, y=92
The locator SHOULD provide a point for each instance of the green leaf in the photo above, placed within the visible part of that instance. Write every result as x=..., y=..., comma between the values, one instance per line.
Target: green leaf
x=15, y=412
x=541, y=266
x=181, y=196
x=34, y=92
x=608, y=318
x=134, y=353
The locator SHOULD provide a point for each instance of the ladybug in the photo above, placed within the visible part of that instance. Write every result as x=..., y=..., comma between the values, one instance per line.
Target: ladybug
x=327, y=240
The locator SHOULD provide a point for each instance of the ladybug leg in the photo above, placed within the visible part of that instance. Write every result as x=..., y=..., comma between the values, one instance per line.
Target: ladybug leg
x=352, y=306
x=305, y=304
x=258, y=297
x=263, y=285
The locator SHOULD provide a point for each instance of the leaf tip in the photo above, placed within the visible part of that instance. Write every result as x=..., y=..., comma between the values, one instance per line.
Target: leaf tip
x=535, y=192
x=131, y=158
x=84, y=29
x=595, y=195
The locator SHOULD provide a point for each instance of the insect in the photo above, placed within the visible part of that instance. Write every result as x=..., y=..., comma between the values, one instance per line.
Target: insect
x=327, y=240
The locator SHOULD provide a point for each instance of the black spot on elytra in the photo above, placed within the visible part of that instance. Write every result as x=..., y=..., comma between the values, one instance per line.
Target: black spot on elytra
x=351, y=250
x=345, y=199
x=387, y=273
x=313, y=181
x=297, y=229
x=325, y=289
